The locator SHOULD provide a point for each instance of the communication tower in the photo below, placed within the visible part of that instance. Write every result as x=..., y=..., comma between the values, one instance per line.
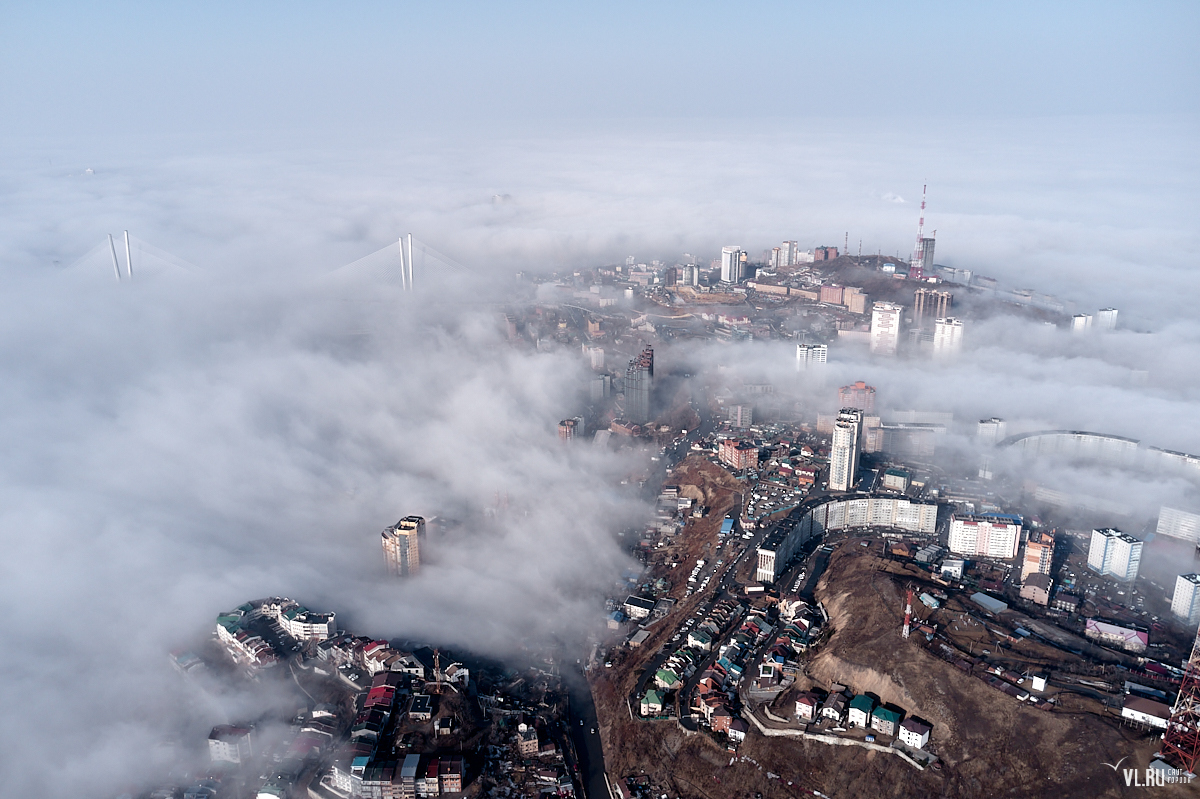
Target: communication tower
x=1181, y=741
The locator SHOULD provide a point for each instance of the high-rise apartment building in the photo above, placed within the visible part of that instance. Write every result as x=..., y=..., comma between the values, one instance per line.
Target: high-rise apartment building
x=731, y=264
x=1106, y=319
x=738, y=454
x=595, y=356
x=1177, y=523
x=810, y=357
x=568, y=429
x=1081, y=323
x=741, y=417
x=985, y=535
x=1039, y=554
x=844, y=452
x=922, y=264
x=857, y=395
x=991, y=431
x=639, y=381
x=947, y=337
x=929, y=304
x=885, y=328
x=1185, y=602
x=789, y=253
x=401, y=547
x=1115, y=554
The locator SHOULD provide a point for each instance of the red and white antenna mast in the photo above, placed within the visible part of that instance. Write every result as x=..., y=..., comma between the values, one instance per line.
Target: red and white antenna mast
x=915, y=267
x=1181, y=741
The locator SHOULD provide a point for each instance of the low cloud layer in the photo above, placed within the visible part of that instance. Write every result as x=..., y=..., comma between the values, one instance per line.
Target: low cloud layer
x=188, y=440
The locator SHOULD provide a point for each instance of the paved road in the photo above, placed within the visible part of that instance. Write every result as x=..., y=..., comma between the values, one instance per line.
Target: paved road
x=585, y=735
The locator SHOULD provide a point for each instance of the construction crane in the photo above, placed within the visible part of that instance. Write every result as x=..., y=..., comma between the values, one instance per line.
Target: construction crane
x=1181, y=741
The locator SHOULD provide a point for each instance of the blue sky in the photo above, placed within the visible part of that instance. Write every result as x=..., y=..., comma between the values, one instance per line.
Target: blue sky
x=79, y=69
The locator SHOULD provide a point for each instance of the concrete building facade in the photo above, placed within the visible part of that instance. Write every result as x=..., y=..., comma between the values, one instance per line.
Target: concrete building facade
x=947, y=337
x=401, y=546
x=1114, y=554
x=929, y=304
x=885, y=328
x=1039, y=554
x=992, y=535
x=732, y=260
x=811, y=357
x=1185, y=602
x=857, y=395
x=639, y=384
x=845, y=450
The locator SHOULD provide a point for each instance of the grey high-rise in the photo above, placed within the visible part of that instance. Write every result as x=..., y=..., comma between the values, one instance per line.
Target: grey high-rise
x=639, y=380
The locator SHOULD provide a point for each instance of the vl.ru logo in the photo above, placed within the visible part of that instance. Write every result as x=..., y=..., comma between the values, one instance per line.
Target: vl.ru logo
x=1152, y=777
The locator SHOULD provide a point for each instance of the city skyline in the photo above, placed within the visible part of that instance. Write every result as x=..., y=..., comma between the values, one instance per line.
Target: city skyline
x=256, y=395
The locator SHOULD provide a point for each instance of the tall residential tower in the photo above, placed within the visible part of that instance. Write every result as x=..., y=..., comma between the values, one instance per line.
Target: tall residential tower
x=847, y=444
x=401, y=548
x=639, y=380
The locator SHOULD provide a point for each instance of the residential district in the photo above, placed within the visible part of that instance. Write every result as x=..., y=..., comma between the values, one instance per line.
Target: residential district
x=831, y=591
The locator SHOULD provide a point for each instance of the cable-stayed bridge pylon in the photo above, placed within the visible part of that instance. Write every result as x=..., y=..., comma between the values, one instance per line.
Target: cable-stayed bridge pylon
x=405, y=260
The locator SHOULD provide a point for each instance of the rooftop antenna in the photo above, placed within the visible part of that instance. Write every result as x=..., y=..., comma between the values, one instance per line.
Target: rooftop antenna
x=128, y=257
x=113, y=247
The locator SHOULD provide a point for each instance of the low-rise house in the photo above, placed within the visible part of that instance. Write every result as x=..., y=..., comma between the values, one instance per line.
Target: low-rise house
x=952, y=568
x=885, y=720
x=1065, y=602
x=421, y=707
x=306, y=625
x=860, y=710
x=667, y=679
x=722, y=717
x=428, y=784
x=652, y=704
x=1146, y=711
x=1037, y=589
x=229, y=744
x=451, y=774
x=737, y=730
x=834, y=708
x=808, y=705
x=527, y=741
x=638, y=608
x=915, y=734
